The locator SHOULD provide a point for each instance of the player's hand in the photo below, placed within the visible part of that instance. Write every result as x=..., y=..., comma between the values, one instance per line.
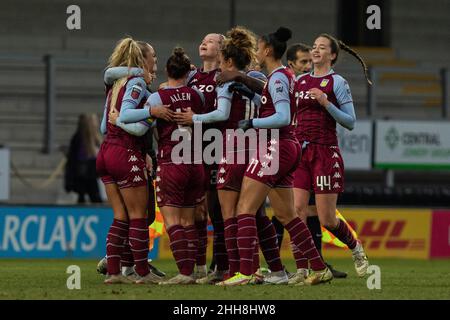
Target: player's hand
x=148, y=78
x=162, y=112
x=112, y=117
x=242, y=89
x=184, y=118
x=227, y=76
x=319, y=95
x=148, y=163
x=245, y=124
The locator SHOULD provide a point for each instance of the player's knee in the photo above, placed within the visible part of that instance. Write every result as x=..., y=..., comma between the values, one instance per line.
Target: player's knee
x=283, y=220
x=200, y=213
x=285, y=217
x=137, y=214
x=329, y=223
x=242, y=207
x=227, y=214
x=301, y=212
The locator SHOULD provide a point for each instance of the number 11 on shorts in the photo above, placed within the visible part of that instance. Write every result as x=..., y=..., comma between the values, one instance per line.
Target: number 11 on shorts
x=253, y=163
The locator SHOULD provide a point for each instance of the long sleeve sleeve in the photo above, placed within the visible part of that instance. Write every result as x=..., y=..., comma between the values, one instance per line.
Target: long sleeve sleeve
x=223, y=110
x=344, y=113
x=135, y=92
x=112, y=74
x=279, y=92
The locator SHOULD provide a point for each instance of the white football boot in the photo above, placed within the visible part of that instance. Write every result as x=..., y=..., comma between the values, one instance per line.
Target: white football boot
x=360, y=260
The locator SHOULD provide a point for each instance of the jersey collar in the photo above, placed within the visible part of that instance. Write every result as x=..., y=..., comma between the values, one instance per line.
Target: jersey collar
x=203, y=71
x=329, y=72
x=275, y=70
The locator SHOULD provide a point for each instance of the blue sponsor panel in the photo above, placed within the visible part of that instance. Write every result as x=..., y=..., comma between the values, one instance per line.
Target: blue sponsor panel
x=55, y=232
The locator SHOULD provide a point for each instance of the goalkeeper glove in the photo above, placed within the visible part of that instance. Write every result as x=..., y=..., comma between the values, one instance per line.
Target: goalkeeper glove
x=242, y=89
x=245, y=124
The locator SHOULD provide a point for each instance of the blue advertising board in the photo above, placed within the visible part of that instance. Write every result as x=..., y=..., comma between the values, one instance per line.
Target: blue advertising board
x=54, y=232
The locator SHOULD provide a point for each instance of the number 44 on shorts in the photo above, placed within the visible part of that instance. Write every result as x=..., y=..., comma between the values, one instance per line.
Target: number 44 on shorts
x=323, y=182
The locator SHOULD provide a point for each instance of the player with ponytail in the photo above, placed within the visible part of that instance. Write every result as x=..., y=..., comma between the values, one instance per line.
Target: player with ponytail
x=324, y=99
x=277, y=112
x=121, y=165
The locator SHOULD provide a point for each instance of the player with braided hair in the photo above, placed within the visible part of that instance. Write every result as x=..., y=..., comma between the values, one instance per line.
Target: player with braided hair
x=324, y=99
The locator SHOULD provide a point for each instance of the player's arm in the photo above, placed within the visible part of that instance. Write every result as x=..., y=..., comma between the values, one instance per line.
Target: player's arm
x=103, y=123
x=222, y=113
x=191, y=74
x=115, y=73
x=188, y=117
x=279, y=92
x=256, y=85
x=141, y=127
x=257, y=100
x=345, y=114
x=137, y=128
x=135, y=92
x=245, y=91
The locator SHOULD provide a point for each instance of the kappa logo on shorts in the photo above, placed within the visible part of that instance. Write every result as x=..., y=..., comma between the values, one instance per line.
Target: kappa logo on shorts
x=336, y=185
x=158, y=169
x=268, y=156
x=135, y=169
x=133, y=158
x=137, y=179
x=158, y=179
x=260, y=174
x=221, y=180
x=336, y=166
x=335, y=155
x=271, y=148
x=337, y=175
x=273, y=141
x=222, y=170
x=158, y=199
x=158, y=189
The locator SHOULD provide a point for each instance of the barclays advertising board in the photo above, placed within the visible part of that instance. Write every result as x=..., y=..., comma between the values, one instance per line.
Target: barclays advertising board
x=53, y=232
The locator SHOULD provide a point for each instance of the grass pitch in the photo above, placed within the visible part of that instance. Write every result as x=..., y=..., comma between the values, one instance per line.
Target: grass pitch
x=400, y=279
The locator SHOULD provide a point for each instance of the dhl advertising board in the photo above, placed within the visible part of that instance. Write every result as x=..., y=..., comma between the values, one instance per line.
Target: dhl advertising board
x=80, y=232
x=394, y=233
x=385, y=233
x=398, y=233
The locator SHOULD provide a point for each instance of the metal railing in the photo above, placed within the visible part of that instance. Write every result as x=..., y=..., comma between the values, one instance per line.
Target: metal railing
x=51, y=63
